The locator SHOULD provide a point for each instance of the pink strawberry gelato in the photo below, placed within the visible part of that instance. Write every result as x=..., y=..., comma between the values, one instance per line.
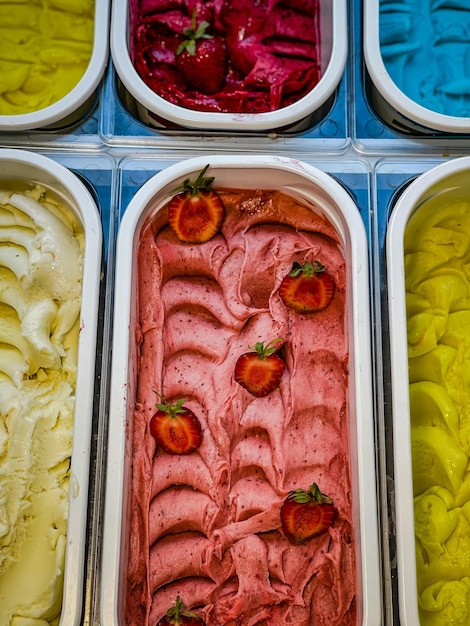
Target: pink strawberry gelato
x=207, y=526
x=273, y=51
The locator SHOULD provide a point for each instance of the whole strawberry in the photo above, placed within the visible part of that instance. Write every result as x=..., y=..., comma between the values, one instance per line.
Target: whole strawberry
x=201, y=58
x=179, y=616
x=196, y=212
x=176, y=428
x=306, y=514
x=261, y=370
x=308, y=288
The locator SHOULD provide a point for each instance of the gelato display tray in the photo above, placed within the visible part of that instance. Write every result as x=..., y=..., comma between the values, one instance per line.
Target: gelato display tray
x=83, y=134
x=50, y=80
x=126, y=425
x=52, y=277
x=403, y=186
x=272, y=67
x=121, y=129
x=382, y=122
x=415, y=58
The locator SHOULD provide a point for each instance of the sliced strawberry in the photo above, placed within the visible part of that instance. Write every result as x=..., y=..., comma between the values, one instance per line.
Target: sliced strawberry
x=178, y=616
x=201, y=58
x=260, y=371
x=307, y=288
x=306, y=514
x=176, y=428
x=196, y=212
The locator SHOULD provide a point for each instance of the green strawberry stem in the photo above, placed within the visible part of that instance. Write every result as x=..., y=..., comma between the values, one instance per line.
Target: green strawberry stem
x=192, y=34
x=175, y=612
x=265, y=350
x=201, y=183
x=302, y=496
x=308, y=269
x=172, y=409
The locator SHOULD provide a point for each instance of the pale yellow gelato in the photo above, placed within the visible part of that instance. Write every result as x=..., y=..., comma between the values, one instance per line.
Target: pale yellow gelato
x=437, y=278
x=45, y=48
x=41, y=252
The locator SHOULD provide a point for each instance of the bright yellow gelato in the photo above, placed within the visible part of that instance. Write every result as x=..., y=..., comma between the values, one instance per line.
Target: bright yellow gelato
x=41, y=251
x=437, y=273
x=45, y=48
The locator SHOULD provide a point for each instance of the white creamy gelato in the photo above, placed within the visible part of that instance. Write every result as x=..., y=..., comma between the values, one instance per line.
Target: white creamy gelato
x=41, y=254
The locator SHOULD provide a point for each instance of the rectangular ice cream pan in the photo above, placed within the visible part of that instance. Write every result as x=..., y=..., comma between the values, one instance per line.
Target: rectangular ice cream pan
x=401, y=37
x=423, y=410
x=157, y=112
x=78, y=102
x=309, y=184
x=24, y=170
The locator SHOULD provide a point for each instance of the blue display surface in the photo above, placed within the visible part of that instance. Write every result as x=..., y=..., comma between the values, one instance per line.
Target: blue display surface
x=119, y=128
x=114, y=154
x=370, y=133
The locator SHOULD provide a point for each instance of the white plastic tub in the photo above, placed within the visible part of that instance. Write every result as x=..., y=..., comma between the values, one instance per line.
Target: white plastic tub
x=79, y=101
x=427, y=195
x=21, y=170
x=331, y=200
x=398, y=109
x=155, y=111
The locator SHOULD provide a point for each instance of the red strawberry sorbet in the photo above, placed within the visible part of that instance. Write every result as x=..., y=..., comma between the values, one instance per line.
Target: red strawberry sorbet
x=206, y=526
x=272, y=51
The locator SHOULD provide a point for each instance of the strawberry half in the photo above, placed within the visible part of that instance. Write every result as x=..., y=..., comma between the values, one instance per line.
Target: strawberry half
x=201, y=58
x=196, y=212
x=176, y=428
x=307, y=288
x=178, y=616
x=306, y=514
x=261, y=370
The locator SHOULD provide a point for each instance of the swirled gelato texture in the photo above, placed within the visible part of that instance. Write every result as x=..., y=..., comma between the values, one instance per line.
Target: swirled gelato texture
x=40, y=286
x=207, y=525
x=45, y=48
x=437, y=249
x=273, y=51
x=424, y=47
